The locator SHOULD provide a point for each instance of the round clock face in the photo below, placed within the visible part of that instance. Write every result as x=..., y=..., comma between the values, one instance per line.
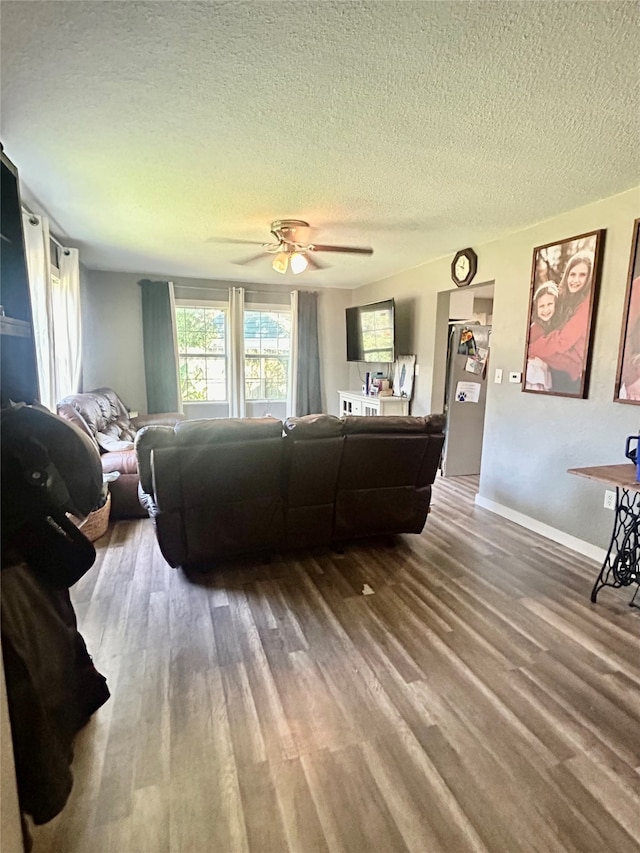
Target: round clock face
x=462, y=267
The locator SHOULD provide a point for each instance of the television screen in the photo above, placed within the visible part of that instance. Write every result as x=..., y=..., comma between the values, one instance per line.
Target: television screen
x=371, y=332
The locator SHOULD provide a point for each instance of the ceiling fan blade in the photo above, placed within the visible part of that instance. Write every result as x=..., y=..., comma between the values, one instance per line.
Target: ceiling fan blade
x=233, y=240
x=251, y=259
x=314, y=263
x=354, y=250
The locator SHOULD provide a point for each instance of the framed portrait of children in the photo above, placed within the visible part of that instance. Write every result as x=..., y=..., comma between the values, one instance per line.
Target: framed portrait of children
x=565, y=276
x=627, y=388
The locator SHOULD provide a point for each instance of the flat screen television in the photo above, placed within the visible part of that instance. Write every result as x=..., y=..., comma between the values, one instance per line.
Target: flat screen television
x=371, y=332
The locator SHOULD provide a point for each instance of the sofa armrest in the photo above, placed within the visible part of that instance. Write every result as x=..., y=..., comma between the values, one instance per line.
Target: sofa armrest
x=148, y=438
x=161, y=419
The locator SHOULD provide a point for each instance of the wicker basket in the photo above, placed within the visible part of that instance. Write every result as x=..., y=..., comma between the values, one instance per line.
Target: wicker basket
x=97, y=522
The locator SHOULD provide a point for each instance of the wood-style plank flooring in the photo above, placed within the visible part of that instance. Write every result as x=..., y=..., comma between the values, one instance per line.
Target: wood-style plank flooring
x=477, y=701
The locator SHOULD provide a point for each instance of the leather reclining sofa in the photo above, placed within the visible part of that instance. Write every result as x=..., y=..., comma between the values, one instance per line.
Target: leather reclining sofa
x=103, y=416
x=222, y=487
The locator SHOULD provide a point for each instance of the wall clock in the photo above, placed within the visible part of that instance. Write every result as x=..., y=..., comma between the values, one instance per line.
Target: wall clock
x=464, y=267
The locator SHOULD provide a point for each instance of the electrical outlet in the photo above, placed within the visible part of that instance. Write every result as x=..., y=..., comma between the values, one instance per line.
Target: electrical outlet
x=515, y=377
x=498, y=375
x=609, y=499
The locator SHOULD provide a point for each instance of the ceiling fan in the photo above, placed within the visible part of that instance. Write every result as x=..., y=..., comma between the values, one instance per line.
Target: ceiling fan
x=291, y=252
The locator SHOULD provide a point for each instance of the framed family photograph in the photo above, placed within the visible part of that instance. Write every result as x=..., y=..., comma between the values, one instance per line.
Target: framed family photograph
x=627, y=388
x=565, y=276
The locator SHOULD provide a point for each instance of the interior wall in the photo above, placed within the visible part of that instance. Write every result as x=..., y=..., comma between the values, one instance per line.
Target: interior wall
x=112, y=352
x=112, y=333
x=530, y=439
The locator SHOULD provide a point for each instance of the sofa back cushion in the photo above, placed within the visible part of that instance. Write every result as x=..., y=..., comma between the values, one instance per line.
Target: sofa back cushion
x=102, y=415
x=217, y=430
x=227, y=494
x=119, y=426
x=384, y=483
x=313, y=449
x=313, y=426
x=395, y=424
x=67, y=410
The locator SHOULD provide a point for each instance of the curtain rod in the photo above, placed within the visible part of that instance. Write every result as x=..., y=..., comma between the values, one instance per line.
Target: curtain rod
x=28, y=210
x=224, y=289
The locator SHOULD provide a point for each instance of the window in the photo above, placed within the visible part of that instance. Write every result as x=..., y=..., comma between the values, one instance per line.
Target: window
x=202, y=352
x=267, y=338
x=377, y=335
x=202, y=333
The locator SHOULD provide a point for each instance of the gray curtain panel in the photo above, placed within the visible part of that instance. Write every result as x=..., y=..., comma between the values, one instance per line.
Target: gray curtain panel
x=308, y=393
x=160, y=367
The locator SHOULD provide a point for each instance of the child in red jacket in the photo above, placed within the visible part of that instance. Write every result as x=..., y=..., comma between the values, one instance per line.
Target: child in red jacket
x=563, y=349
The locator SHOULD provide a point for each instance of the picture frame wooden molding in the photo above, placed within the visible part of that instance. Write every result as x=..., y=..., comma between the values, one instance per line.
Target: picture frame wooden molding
x=627, y=386
x=563, y=299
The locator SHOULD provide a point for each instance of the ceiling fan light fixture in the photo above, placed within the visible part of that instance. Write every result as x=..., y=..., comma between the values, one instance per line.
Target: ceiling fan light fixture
x=298, y=263
x=281, y=262
x=289, y=249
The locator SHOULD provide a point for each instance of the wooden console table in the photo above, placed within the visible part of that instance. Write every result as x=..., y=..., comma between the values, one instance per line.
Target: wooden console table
x=621, y=566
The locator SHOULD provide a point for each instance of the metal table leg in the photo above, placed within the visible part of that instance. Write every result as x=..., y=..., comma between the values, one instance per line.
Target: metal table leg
x=621, y=566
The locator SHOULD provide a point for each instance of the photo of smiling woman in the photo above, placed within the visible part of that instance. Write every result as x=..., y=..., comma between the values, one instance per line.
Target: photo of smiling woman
x=563, y=286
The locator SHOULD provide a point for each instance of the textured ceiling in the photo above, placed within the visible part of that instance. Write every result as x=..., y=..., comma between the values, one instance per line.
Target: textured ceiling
x=152, y=132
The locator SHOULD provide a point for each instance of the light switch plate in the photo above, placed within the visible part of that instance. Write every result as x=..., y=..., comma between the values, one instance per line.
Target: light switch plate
x=498, y=375
x=515, y=377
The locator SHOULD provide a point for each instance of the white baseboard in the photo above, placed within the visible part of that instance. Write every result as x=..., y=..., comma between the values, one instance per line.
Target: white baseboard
x=579, y=545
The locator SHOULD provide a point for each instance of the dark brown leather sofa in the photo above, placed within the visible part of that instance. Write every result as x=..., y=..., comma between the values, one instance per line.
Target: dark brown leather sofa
x=103, y=416
x=217, y=488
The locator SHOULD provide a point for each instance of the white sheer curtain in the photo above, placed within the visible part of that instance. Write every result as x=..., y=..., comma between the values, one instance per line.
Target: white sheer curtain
x=67, y=324
x=236, y=353
x=293, y=357
x=36, y=240
x=55, y=305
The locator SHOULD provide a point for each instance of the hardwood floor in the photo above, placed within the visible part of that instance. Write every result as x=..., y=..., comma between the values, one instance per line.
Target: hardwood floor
x=476, y=701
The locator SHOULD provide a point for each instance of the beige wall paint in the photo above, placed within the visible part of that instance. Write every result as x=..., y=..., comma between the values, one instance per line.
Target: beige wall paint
x=530, y=440
x=112, y=333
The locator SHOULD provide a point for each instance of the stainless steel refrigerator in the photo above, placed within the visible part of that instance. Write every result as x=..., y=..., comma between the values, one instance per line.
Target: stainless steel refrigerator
x=465, y=396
